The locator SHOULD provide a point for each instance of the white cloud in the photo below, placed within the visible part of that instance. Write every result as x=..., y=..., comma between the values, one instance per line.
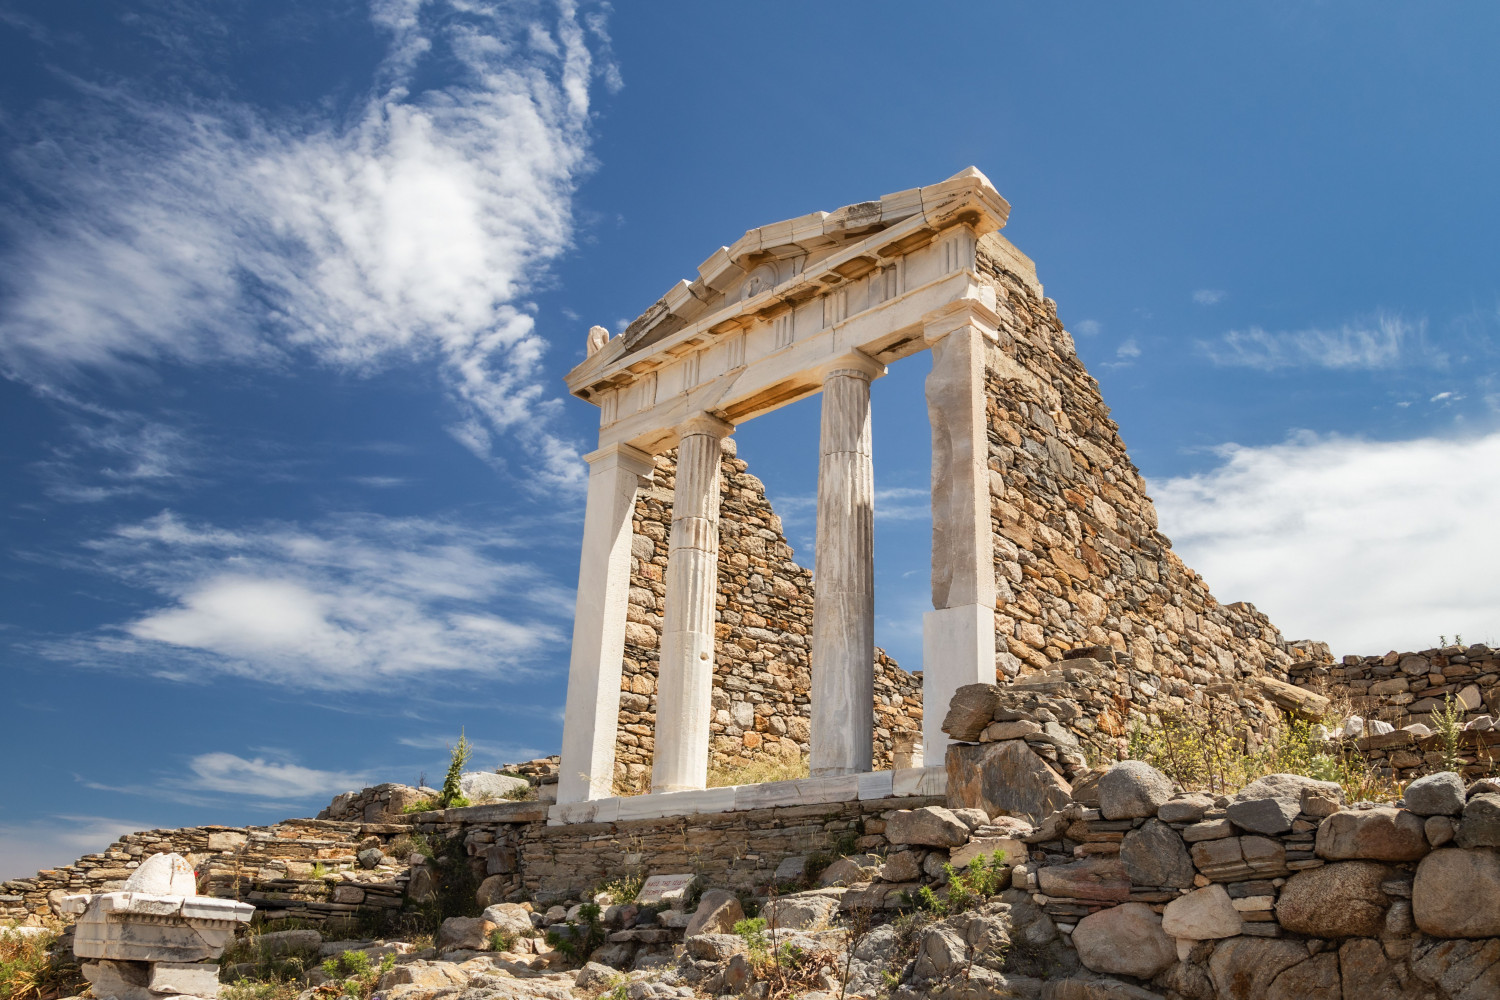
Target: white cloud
x=1128, y=350
x=263, y=779
x=27, y=848
x=1088, y=327
x=1384, y=341
x=1369, y=545
x=409, y=229
x=356, y=601
x=1208, y=296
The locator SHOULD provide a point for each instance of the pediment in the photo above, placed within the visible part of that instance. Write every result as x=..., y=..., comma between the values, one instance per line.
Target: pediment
x=775, y=256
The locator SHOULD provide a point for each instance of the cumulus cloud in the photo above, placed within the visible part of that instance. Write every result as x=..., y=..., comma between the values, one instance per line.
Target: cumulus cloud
x=355, y=601
x=1383, y=341
x=410, y=228
x=1368, y=545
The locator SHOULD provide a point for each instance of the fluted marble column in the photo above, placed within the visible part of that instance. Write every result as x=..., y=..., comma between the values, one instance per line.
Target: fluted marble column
x=958, y=635
x=843, y=646
x=684, y=686
x=591, y=719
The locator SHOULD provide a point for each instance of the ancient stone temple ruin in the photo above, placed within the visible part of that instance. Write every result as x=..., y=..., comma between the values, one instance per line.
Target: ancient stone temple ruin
x=1044, y=540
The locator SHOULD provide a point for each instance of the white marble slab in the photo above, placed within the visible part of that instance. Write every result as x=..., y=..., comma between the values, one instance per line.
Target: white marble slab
x=875, y=785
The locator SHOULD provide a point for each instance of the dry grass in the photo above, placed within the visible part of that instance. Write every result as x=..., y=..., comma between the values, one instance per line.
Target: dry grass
x=755, y=772
x=29, y=970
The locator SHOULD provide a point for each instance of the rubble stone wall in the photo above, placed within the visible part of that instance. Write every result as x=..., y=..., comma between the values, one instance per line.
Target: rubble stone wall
x=269, y=866
x=763, y=636
x=1078, y=557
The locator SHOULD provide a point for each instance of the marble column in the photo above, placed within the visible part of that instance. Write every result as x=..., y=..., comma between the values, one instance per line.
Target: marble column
x=958, y=635
x=843, y=645
x=685, y=679
x=591, y=718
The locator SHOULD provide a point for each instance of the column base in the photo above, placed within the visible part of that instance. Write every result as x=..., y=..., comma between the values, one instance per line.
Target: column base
x=958, y=648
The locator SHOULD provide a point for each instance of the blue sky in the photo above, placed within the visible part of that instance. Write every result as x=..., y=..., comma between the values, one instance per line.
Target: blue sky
x=290, y=482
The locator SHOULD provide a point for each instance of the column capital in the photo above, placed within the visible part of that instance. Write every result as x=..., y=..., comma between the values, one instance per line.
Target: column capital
x=704, y=423
x=855, y=363
x=621, y=456
x=976, y=310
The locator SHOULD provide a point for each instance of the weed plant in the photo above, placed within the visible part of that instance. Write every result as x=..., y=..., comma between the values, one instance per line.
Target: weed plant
x=33, y=968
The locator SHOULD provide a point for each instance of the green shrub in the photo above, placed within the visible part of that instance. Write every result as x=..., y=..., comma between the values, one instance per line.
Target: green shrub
x=968, y=887
x=452, y=795
x=579, y=938
x=1448, y=722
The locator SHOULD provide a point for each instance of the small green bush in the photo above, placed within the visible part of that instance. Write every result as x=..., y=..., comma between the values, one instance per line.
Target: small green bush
x=452, y=795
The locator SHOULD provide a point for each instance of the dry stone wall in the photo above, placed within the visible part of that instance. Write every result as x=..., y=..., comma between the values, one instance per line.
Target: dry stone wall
x=762, y=642
x=302, y=868
x=1078, y=558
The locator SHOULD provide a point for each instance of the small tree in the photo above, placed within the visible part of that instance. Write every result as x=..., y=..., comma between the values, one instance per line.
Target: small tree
x=452, y=793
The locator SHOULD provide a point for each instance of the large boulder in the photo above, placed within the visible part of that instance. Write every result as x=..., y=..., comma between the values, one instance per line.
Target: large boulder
x=804, y=911
x=851, y=869
x=940, y=952
x=511, y=919
x=1480, y=826
x=492, y=890
x=1185, y=808
x=1335, y=901
x=971, y=711
x=1202, y=915
x=1154, y=855
x=1315, y=979
x=1132, y=788
x=1464, y=970
x=464, y=934
x=1125, y=940
x=1244, y=968
x=930, y=826
x=1381, y=834
x=487, y=786
x=1003, y=778
x=718, y=911
x=1455, y=893
x=1440, y=794
x=1370, y=975
x=1101, y=878
x=1269, y=805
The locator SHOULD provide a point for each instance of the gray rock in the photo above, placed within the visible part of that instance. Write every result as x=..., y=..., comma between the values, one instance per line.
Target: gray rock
x=511, y=919
x=1335, y=901
x=1455, y=893
x=1154, y=855
x=594, y=976
x=1243, y=968
x=487, y=786
x=971, y=818
x=1132, y=788
x=1440, y=794
x=1124, y=940
x=1463, y=970
x=1086, y=789
x=1098, y=878
x=1440, y=830
x=940, y=952
x=1269, y=805
x=1480, y=826
x=851, y=869
x=971, y=710
x=901, y=866
x=1003, y=778
x=491, y=891
x=464, y=934
x=1381, y=834
x=931, y=826
x=1185, y=808
x=287, y=942
x=1202, y=915
x=718, y=911
x=715, y=947
x=800, y=912
x=369, y=857
x=1484, y=786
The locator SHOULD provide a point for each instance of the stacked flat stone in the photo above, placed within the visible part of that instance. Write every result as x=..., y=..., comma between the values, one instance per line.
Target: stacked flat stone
x=1078, y=558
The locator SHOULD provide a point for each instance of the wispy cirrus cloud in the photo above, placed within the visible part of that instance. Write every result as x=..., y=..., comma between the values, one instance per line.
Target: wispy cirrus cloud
x=1366, y=544
x=1208, y=296
x=1382, y=341
x=351, y=602
x=47, y=842
x=407, y=228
